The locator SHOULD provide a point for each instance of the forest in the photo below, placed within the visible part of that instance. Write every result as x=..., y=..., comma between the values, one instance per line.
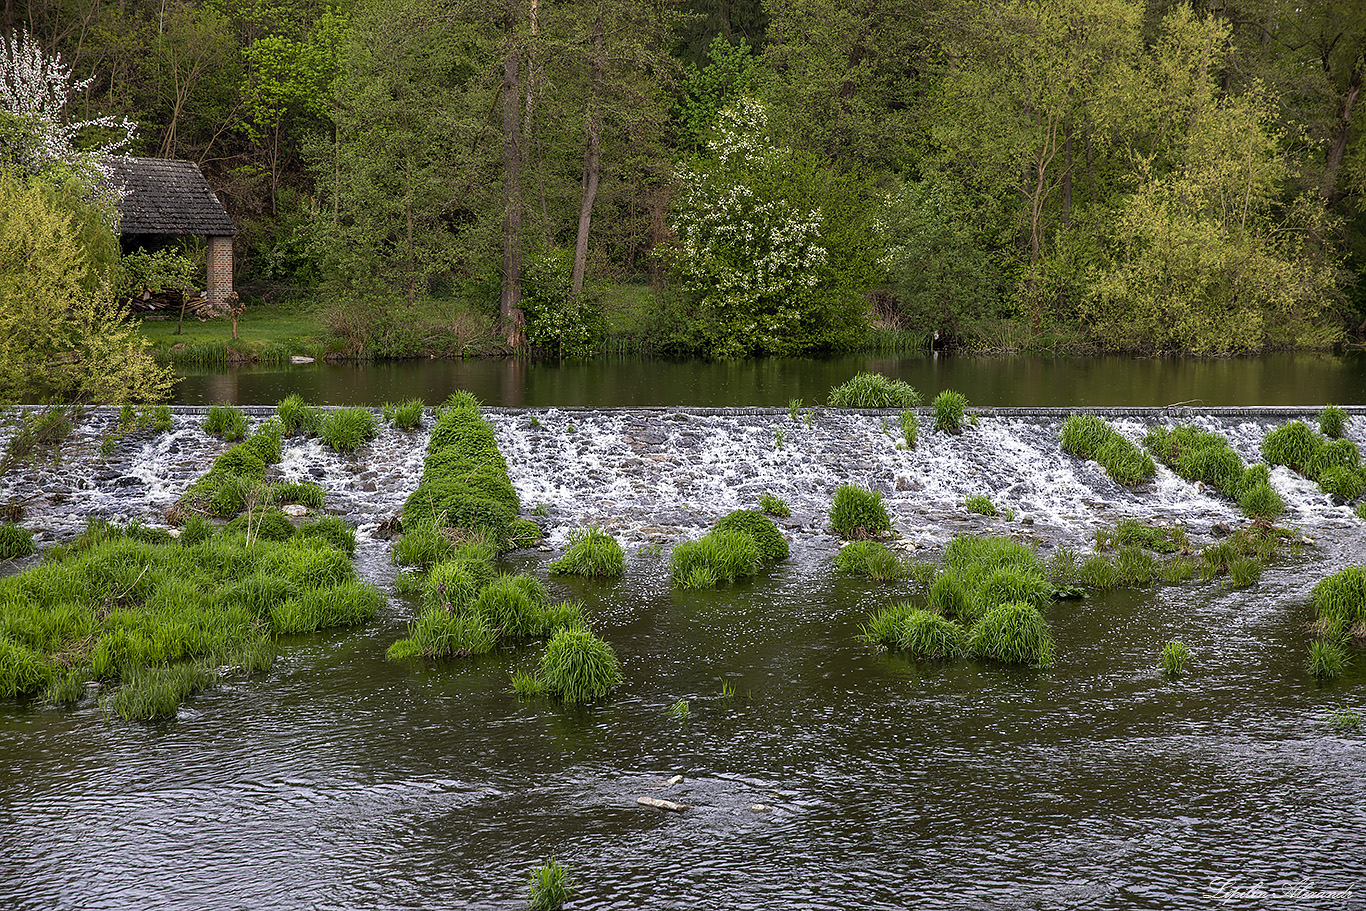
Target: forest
x=760, y=177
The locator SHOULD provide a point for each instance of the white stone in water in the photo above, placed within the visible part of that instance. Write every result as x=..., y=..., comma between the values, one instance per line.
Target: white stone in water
x=300, y=359
x=662, y=804
x=173, y=532
x=676, y=779
x=295, y=510
x=760, y=808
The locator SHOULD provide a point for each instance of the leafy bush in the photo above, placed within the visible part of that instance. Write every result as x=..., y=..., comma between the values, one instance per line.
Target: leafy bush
x=1332, y=422
x=347, y=429
x=591, y=552
x=719, y=556
x=15, y=541
x=871, y=559
x=557, y=321
x=772, y=545
x=579, y=667
x=857, y=513
x=948, y=411
x=1014, y=633
x=873, y=390
x=227, y=422
x=774, y=505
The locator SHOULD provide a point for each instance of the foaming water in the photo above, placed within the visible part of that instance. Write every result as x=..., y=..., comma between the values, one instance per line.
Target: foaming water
x=825, y=776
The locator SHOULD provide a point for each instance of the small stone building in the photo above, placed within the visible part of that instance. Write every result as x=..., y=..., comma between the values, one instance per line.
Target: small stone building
x=164, y=198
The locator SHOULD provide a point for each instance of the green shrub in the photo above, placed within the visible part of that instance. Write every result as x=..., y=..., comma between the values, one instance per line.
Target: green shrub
x=405, y=416
x=591, y=552
x=857, y=513
x=15, y=541
x=1014, y=633
x=910, y=428
x=578, y=667
x=871, y=559
x=774, y=506
x=1174, y=658
x=980, y=504
x=1261, y=501
x=772, y=545
x=1332, y=422
x=948, y=411
x=227, y=422
x=1327, y=659
x=1083, y=434
x=719, y=556
x=347, y=429
x=873, y=390
x=1333, y=454
x=298, y=417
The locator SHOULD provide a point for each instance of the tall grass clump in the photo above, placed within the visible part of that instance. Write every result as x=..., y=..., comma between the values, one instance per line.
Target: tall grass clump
x=227, y=422
x=1013, y=633
x=1174, y=658
x=1332, y=422
x=235, y=480
x=15, y=541
x=591, y=552
x=1339, y=603
x=949, y=407
x=774, y=506
x=304, y=493
x=857, y=513
x=1261, y=501
x=151, y=693
x=347, y=429
x=910, y=427
x=873, y=390
x=406, y=415
x=298, y=417
x=1334, y=463
x=1089, y=437
x=1197, y=455
x=717, y=557
x=1327, y=659
x=578, y=667
x=980, y=504
x=772, y=545
x=1159, y=539
x=921, y=634
x=551, y=886
x=1293, y=445
x=870, y=559
x=465, y=486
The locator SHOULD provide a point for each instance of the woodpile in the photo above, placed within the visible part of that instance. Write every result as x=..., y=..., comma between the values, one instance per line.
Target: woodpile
x=166, y=305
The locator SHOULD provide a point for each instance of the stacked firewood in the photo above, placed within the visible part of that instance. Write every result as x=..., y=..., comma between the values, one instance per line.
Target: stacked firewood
x=168, y=302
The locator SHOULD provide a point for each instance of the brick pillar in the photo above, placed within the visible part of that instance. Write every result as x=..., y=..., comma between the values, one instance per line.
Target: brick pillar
x=219, y=285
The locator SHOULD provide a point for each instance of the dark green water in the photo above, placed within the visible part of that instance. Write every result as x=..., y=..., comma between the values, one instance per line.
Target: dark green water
x=1277, y=379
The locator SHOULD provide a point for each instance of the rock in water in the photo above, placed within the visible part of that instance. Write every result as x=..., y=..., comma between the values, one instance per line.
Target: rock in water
x=662, y=804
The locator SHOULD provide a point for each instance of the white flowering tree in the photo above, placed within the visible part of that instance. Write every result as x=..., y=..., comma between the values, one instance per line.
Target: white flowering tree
x=36, y=138
x=768, y=244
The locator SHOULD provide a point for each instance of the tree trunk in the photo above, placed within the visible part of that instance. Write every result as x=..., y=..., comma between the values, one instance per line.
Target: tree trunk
x=591, y=160
x=1337, y=147
x=510, y=305
x=1067, y=182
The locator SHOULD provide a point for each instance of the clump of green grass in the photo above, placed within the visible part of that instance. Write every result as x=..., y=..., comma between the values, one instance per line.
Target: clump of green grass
x=1293, y=445
x=1332, y=422
x=578, y=667
x=551, y=886
x=1335, y=464
x=347, y=429
x=1197, y=455
x=333, y=530
x=1345, y=719
x=873, y=390
x=1090, y=437
x=227, y=422
x=948, y=411
x=774, y=506
x=298, y=417
x=524, y=533
x=1327, y=659
x=980, y=504
x=1261, y=501
x=304, y=493
x=922, y=634
x=1339, y=603
x=1098, y=573
x=1013, y=633
x=910, y=428
x=234, y=482
x=719, y=556
x=150, y=693
x=1174, y=658
x=591, y=552
x=1162, y=539
x=404, y=416
x=680, y=710
x=857, y=513
x=1135, y=565
x=1341, y=481
x=870, y=559
x=772, y=545
x=15, y=541
x=1361, y=511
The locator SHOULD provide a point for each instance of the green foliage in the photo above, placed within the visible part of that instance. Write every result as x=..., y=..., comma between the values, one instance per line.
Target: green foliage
x=15, y=541
x=1261, y=501
x=406, y=415
x=772, y=545
x=719, y=556
x=1199, y=456
x=347, y=429
x=920, y=633
x=591, y=552
x=948, y=411
x=1339, y=603
x=1345, y=719
x=1092, y=438
x=1341, y=481
x=910, y=427
x=873, y=390
x=871, y=559
x=226, y=421
x=1293, y=445
x=551, y=886
x=1161, y=539
x=304, y=493
x=1013, y=633
x=162, y=270
x=1327, y=659
x=728, y=75
x=1174, y=658
x=857, y=513
x=150, y=693
x=774, y=505
x=557, y=322
x=1135, y=565
x=1332, y=422
x=980, y=504
x=333, y=530
x=298, y=417
x=578, y=667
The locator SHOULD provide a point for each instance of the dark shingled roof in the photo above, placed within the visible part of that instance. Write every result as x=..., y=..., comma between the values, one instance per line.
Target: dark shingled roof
x=163, y=196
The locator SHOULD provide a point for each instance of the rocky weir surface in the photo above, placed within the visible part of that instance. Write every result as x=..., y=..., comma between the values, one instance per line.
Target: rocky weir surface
x=656, y=476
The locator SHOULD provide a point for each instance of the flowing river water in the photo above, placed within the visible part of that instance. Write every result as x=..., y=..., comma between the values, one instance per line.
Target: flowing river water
x=824, y=776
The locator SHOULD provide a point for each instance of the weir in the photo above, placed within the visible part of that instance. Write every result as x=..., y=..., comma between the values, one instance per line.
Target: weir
x=656, y=476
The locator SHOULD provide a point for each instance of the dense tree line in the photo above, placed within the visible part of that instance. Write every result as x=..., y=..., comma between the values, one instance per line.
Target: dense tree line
x=1113, y=174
